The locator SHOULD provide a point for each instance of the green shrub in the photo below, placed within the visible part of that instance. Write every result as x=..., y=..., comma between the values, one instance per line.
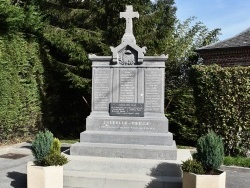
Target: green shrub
x=210, y=151
x=222, y=98
x=56, y=146
x=41, y=146
x=47, y=150
x=193, y=166
x=55, y=159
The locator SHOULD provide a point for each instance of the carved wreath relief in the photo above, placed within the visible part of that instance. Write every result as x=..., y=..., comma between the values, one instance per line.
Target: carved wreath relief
x=127, y=56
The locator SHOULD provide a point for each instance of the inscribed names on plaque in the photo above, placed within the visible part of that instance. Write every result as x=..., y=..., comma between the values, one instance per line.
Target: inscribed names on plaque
x=128, y=82
x=101, y=88
x=153, y=90
x=127, y=109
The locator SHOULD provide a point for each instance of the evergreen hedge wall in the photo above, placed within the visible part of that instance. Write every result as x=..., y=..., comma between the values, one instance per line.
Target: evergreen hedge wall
x=21, y=85
x=222, y=99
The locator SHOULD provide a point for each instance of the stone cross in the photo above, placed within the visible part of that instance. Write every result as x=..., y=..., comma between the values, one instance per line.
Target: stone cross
x=128, y=15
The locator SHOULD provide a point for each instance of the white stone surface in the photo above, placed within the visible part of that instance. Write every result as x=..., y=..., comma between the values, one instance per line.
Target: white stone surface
x=129, y=15
x=44, y=177
x=104, y=172
x=191, y=180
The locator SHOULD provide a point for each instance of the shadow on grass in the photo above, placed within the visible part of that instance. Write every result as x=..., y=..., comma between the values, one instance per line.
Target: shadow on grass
x=19, y=180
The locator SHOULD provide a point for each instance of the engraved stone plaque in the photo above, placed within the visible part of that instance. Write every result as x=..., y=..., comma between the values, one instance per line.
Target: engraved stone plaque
x=153, y=90
x=128, y=86
x=127, y=109
x=101, y=89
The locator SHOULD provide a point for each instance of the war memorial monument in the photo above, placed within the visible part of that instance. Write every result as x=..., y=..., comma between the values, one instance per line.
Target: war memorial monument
x=126, y=142
x=127, y=118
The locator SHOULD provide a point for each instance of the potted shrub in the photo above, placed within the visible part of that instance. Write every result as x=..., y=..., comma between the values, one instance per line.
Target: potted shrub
x=47, y=169
x=203, y=171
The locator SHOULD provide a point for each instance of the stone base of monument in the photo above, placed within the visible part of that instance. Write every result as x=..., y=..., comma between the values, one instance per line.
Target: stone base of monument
x=140, y=138
x=106, y=172
x=126, y=137
x=125, y=150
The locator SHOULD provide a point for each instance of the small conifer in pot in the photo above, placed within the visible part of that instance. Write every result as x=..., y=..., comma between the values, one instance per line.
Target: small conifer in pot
x=210, y=152
x=55, y=158
x=47, y=150
x=209, y=156
x=41, y=146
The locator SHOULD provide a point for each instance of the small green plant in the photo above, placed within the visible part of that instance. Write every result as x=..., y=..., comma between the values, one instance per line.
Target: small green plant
x=55, y=157
x=41, y=146
x=56, y=146
x=210, y=151
x=193, y=166
x=47, y=150
x=209, y=156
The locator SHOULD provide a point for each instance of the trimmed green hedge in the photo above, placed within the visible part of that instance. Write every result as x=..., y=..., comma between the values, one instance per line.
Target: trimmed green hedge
x=21, y=82
x=222, y=99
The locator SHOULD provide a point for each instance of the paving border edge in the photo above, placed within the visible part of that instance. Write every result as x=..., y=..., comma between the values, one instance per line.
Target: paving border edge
x=236, y=168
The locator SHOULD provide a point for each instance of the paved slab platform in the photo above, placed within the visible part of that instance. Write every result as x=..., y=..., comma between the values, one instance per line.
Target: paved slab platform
x=13, y=171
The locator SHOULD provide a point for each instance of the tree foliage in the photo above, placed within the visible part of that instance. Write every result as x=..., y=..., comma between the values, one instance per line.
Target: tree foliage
x=180, y=108
x=11, y=17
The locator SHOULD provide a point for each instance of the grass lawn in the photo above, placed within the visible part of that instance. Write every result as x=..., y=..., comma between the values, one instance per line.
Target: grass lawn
x=69, y=141
x=237, y=161
x=228, y=161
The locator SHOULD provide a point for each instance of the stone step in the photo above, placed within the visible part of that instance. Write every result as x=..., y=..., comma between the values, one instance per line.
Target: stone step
x=104, y=172
x=124, y=166
x=124, y=150
x=79, y=179
x=141, y=138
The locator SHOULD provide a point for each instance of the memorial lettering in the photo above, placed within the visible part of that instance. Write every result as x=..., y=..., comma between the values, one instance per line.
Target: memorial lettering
x=153, y=90
x=127, y=86
x=101, y=88
x=127, y=109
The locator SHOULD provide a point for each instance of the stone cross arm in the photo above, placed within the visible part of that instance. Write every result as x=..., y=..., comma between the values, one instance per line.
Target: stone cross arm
x=128, y=15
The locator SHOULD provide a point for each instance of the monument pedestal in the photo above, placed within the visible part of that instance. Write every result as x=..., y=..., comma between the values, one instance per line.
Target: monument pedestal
x=126, y=137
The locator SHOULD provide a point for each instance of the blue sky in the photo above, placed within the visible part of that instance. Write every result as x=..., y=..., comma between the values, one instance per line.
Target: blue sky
x=232, y=16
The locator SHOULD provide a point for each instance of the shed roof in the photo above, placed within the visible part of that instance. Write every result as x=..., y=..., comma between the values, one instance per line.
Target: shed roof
x=240, y=40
